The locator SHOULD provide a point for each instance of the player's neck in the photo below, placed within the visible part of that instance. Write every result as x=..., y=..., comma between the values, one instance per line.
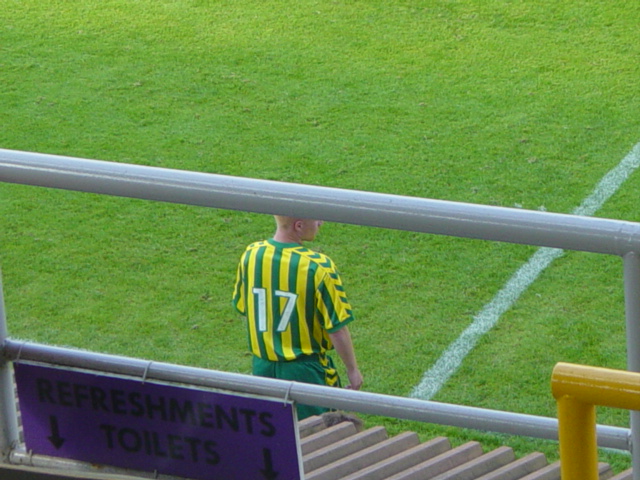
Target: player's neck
x=284, y=236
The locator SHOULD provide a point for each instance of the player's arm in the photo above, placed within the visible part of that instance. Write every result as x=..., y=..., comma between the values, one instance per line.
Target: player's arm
x=341, y=340
x=238, y=300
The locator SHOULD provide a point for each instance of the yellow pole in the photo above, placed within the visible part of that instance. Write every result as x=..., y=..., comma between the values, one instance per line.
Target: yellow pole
x=578, y=444
x=578, y=389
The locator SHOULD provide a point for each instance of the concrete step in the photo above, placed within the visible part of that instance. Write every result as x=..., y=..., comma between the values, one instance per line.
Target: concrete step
x=441, y=463
x=480, y=466
x=604, y=471
x=310, y=425
x=626, y=475
x=327, y=436
x=550, y=472
x=403, y=460
x=344, y=448
x=364, y=458
x=518, y=469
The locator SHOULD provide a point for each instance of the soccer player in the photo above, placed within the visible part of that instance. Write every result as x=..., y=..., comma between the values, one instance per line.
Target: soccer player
x=296, y=310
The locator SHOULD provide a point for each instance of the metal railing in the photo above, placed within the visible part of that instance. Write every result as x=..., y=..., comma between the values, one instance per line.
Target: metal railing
x=606, y=236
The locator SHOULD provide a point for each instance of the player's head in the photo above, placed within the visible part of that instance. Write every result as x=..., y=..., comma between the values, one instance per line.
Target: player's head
x=303, y=229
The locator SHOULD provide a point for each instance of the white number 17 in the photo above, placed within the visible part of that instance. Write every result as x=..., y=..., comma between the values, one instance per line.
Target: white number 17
x=285, y=316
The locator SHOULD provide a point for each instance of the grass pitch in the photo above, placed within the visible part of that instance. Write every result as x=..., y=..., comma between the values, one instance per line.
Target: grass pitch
x=518, y=104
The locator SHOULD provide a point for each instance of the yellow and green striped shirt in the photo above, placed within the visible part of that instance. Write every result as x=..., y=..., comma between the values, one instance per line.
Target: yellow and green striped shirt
x=292, y=298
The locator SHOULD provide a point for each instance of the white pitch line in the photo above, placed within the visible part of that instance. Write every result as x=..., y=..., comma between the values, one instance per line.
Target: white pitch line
x=449, y=362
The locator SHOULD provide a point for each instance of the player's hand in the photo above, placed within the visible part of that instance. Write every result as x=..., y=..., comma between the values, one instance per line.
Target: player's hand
x=355, y=379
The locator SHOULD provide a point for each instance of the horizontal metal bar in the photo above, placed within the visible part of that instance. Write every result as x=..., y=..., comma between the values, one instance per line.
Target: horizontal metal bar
x=512, y=225
x=26, y=465
x=342, y=399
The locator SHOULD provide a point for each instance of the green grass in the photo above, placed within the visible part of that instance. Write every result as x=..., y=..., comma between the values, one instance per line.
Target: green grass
x=506, y=103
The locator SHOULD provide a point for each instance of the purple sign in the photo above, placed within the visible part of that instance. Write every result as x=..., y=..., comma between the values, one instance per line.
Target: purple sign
x=169, y=429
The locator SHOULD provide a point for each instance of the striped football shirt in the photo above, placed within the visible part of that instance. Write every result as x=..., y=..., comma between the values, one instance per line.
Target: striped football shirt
x=292, y=298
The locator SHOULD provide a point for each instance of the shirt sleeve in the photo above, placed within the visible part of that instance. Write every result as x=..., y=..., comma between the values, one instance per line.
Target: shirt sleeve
x=332, y=303
x=238, y=300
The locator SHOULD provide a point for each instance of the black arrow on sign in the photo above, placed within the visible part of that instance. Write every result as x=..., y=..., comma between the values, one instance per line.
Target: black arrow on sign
x=55, y=438
x=268, y=472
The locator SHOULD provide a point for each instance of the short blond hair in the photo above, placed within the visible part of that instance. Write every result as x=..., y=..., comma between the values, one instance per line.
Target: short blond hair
x=285, y=222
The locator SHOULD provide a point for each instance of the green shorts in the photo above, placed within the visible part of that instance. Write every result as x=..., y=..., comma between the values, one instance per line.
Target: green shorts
x=315, y=369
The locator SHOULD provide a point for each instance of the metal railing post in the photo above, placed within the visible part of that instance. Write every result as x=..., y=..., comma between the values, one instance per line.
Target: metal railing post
x=632, y=313
x=577, y=435
x=8, y=413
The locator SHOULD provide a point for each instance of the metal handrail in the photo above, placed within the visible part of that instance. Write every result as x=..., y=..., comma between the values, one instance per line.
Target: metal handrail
x=338, y=398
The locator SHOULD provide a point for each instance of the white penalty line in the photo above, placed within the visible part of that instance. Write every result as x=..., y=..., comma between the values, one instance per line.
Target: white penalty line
x=449, y=362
